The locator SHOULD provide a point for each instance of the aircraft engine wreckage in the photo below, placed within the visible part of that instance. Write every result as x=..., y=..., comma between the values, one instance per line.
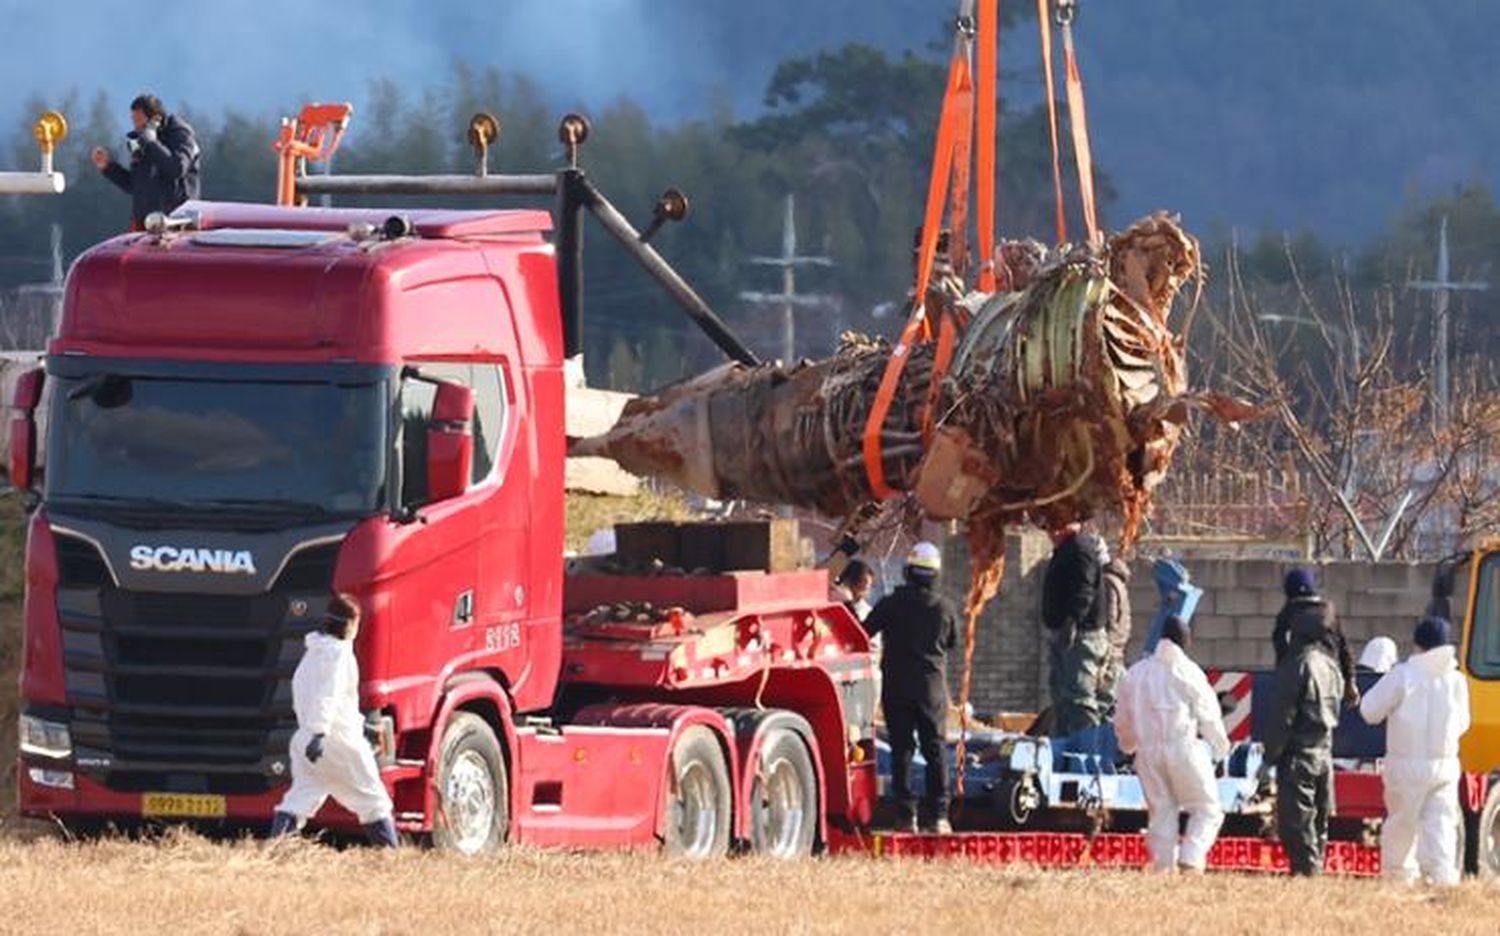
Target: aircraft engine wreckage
x=1066, y=398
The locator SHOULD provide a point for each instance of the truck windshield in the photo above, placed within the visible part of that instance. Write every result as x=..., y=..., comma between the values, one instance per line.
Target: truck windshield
x=314, y=447
x=1484, y=639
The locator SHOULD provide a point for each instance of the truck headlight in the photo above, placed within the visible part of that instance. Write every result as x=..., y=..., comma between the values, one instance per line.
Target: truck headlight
x=56, y=779
x=42, y=738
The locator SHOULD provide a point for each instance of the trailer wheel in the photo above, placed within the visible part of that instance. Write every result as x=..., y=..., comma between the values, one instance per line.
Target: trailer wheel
x=1487, y=854
x=698, y=798
x=783, y=797
x=473, y=795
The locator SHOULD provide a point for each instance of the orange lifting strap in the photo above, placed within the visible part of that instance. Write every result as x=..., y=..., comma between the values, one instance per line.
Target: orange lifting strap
x=1044, y=19
x=314, y=134
x=987, y=110
x=955, y=129
x=1079, y=119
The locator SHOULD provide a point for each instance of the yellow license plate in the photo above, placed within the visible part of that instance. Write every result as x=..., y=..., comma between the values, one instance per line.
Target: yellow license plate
x=183, y=806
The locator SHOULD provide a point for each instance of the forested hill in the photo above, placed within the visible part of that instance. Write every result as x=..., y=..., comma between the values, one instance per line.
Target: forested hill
x=1281, y=113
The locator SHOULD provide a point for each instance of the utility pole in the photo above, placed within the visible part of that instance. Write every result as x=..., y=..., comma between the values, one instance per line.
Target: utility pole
x=57, y=255
x=788, y=298
x=1440, y=287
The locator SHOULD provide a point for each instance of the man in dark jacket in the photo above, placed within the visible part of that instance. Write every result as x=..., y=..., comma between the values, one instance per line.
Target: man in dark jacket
x=1114, y=610
x=1299, y=740
x=918, y=627
x=1079, y=645
x=164, y=159
x=1302, y=599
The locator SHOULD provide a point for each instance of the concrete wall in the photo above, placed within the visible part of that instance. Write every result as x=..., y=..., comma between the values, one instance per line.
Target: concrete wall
x=1231, y=629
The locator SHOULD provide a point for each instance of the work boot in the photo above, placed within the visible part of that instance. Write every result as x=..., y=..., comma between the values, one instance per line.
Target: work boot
x=282, y=824
x=382, y=833
x=907, y=822
x=939, y=826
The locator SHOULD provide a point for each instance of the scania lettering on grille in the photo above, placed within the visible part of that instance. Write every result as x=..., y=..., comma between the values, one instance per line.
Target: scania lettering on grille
x=189, y=559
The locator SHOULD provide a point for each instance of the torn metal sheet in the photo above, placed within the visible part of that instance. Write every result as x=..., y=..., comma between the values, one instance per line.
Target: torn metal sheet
x=1065, y=399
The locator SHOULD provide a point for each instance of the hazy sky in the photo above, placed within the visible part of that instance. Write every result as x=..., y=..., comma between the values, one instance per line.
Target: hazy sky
x=1320, y=113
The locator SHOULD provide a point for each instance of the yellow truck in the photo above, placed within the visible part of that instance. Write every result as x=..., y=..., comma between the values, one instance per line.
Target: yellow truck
x=1479, y=652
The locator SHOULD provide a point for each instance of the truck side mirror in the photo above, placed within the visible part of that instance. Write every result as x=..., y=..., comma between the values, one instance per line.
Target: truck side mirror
x=23, y=435
x=450, y=442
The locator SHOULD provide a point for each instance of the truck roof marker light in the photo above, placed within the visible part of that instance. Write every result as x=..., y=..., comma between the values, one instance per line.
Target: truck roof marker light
x=572, y=131
x=672, y=206
x=484, y=130
x=159, y=225
x=396, y=227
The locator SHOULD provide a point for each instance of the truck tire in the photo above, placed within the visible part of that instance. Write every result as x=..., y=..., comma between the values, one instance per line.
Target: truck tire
x=698, y=799
x=1487, y=837
x=783, y=797
x=473, y=794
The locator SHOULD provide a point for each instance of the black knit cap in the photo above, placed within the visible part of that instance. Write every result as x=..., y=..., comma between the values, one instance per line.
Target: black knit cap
x=148, y=104
x=338, y=617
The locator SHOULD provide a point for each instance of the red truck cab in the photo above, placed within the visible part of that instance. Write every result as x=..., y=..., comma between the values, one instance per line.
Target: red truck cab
x=251, y=408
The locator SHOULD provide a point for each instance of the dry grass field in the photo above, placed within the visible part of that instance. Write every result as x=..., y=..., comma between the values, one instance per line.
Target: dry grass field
x=184, y=885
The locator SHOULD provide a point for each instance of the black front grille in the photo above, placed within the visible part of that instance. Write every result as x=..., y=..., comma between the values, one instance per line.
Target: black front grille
x=79, y=564
x=184, y=692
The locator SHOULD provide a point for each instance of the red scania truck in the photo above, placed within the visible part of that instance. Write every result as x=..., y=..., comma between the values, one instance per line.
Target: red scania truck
x=253, y=407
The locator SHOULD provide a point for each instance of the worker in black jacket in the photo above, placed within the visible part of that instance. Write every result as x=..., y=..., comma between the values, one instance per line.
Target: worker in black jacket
x=1299, y=741
x=1302, y=599
x=164, y=158
x=918, y=627
x=1078, y=648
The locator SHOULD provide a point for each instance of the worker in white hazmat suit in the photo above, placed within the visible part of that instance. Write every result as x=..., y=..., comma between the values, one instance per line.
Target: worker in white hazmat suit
x=1425, y=705
x=1165, y=706
x=330, y=753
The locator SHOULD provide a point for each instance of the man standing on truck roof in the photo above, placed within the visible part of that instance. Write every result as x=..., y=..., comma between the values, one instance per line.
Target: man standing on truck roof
x=164, y=160
x=1425, y=705
x=1166, y=705
x=918, y=627
x=330, y=751
x=1079, y=647
x=1299, y=740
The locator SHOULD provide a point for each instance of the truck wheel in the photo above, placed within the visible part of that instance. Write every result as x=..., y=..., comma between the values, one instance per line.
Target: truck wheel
x=783, y=797
x=473, y=795
x=1487, y=854
x=698, y=798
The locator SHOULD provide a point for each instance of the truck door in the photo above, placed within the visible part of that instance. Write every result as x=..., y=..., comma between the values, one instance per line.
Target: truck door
x=439, y=564
x=1480, y=747
x=486, y=581
x=500, y=478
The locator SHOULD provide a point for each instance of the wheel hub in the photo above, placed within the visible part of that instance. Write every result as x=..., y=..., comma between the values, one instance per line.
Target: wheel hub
x=782, y=808
x=698, y=819
x=1489, y=843
x=469, y=802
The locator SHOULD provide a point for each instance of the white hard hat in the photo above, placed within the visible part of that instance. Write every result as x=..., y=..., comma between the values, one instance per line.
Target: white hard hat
x=1379, y=655
x=925, y=555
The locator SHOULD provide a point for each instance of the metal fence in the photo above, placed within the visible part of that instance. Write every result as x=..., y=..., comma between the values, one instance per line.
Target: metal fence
x=1274, y=507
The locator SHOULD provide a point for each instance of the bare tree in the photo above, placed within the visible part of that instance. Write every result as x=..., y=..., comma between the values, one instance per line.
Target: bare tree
x=1347, y=407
